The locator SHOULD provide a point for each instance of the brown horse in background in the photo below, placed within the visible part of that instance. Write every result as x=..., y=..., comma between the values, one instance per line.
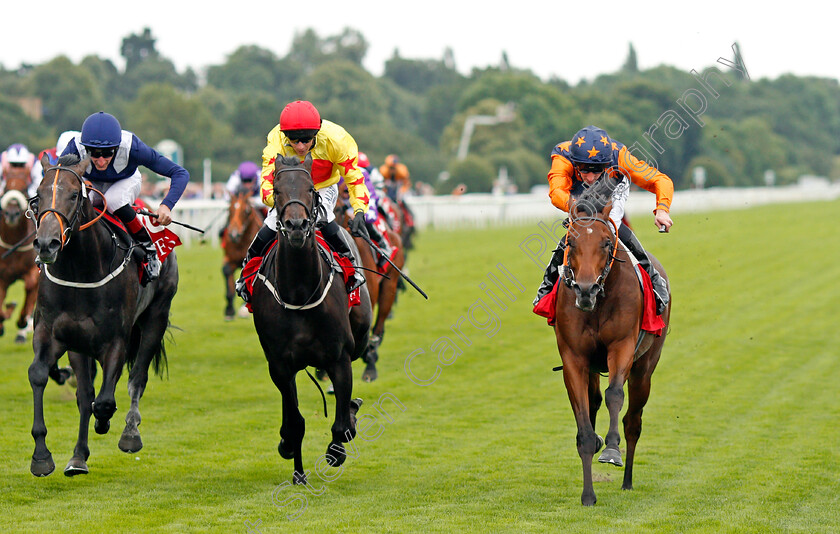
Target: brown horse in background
x=244, y=221
x=17, y=230
x=599, y=313
x=382, y=289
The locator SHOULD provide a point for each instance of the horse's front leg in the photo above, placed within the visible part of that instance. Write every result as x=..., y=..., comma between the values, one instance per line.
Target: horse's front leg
x=619, y=361
x=46, y=354
x=576, y=377
x=105, y=404
x=227, y=272
x=6, y=310
x=293, y=427
x=344, y=426
x=84, y=398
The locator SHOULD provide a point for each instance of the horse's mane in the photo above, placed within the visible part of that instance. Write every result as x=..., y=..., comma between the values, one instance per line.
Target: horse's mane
x=289, y=161
x=68, y=159
x=593, y=198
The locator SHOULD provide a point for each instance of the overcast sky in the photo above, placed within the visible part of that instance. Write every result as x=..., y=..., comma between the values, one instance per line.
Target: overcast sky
x=570, y=40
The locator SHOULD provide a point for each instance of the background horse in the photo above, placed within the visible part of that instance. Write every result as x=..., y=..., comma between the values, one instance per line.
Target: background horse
x=91, y=305
x=244, y=221
x=383, y=291
x=301, y=314
x=598, y=328
x=19, y=264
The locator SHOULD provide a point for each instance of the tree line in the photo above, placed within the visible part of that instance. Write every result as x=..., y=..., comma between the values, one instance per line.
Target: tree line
x=734, y=127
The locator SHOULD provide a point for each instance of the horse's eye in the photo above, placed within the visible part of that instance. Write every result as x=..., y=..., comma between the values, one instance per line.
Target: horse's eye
x=607, y=245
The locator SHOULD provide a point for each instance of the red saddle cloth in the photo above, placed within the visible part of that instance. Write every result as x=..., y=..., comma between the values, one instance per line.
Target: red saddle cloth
x=165, y=240
x=382, y=227
x=347, y=271
x=547, y=306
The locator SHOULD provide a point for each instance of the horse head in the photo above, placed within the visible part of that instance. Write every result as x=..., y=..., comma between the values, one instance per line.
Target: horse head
x=240, y=212
x=13, y=202
x=59, y=205
x=590, y=251
x=295, y=198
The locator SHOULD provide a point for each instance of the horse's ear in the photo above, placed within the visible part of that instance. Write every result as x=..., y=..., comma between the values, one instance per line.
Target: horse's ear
x=277, y=163
x=605, y=212
x=572, y=207
x=307, y=161
x=82, y=166
x=45, y=162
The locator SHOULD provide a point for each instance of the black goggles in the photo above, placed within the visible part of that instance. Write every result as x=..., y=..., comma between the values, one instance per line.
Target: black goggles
x=101, y=152
x=304, y=140
x=591, y=168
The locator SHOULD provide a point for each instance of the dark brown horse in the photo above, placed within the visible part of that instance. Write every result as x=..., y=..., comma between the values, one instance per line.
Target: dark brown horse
x=244, y=221
x=599, y=313
x=382, y=289
x=16, y=235
x=302, y=317
x=91, y=306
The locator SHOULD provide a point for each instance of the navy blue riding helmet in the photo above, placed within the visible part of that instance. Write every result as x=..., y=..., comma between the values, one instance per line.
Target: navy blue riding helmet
x=101, y=130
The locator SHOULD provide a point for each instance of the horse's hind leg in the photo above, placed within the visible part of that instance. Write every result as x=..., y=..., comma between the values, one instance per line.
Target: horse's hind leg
x=84, y=398
x=105, y=405
x=24, y=323
x=344, y=426
x=619, y=361
x=145, y=341
x=293, y=427
x=638, y=389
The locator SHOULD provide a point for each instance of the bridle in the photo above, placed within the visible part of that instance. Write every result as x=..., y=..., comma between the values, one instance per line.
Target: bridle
x=66, y=224
x=569, y=274
x=311, y=216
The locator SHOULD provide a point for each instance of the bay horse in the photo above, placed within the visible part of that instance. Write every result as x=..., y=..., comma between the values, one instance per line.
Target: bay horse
x=244, y=221
x=91, y=306
x=301, y=314
x=16, y=235
x=598, y=328
x=382, y=289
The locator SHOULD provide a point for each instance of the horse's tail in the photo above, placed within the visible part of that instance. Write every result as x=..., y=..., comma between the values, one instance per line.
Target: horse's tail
x=160, y=363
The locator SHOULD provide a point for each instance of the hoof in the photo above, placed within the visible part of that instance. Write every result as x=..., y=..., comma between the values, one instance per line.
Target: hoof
x=285, y=453
x=321, y=375
x=20, y=339
x=355, y=405
x=611, y=456
x=42, y=468
x=299, y=479
x=370, y=373
x=102, y=426
x=130, y=442
x=588, y=500
x=229, y=317
x=335, y=454
x=330, y=389
x=76, y=466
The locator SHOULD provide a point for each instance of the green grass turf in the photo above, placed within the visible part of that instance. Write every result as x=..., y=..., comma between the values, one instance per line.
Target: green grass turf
x=738, y=434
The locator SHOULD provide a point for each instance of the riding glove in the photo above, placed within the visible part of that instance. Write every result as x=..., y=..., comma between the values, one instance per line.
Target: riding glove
x=357, y=225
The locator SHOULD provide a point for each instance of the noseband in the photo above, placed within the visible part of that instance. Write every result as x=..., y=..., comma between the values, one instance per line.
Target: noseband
x=568, y=273
x=311, y=216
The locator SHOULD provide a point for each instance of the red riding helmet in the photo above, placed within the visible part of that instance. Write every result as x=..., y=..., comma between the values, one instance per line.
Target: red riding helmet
x=300, y=115
x=364, y=162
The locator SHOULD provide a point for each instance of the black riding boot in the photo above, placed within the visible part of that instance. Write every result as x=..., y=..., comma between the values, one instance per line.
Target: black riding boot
x=335, y=238
x=263, y=238
x=552, y=271
x=381, y=242
x=660, y=285
x=151, y=269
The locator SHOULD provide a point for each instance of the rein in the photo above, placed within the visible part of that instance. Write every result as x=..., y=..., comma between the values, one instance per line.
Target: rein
x=568, y=273
x=312, y=219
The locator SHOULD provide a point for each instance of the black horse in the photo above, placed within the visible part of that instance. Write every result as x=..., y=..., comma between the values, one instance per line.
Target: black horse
x=301, y=314
x=91, y=305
